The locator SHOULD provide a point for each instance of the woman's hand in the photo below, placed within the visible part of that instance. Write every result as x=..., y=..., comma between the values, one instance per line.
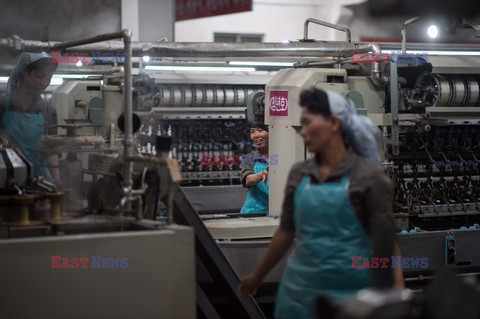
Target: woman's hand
x=279, y=245
x=248, y=286
x=254, y=179
x=264, y=175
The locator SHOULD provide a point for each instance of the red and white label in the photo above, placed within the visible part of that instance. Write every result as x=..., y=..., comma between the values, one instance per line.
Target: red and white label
x=278, y=103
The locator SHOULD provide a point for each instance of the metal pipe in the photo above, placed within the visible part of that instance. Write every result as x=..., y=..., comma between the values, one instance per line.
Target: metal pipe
x=195, y=49
x=376, y=75
x=127, y=87
x=328, y=25
x=198, y=49
x=94, y=39
x=404, y=32
x=127, y=94
x=97, y=70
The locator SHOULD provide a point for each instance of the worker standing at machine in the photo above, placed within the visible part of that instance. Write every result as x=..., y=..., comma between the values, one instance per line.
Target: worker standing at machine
x=24, y=113
x=337, y=205
x=254, y=173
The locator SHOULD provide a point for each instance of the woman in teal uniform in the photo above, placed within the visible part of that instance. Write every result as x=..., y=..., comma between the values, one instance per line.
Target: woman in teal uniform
x=23, y=112
x=336, y=206
x=255, y=172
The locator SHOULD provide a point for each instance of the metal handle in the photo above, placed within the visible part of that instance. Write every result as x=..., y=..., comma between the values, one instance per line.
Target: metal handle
x=404, y=32
x=328, y=25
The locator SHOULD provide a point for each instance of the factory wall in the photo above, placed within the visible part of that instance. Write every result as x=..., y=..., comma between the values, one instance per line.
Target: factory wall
x=278, y=20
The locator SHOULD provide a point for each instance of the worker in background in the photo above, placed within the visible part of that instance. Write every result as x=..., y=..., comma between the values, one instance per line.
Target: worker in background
x=23, y=112
x=254, y=173
x=337, y=205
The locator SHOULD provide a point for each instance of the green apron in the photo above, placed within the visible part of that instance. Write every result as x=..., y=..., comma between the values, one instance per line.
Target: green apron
x=26, y=130
x=257, y=195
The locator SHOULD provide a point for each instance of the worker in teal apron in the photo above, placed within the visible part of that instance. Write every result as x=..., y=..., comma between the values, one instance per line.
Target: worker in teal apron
x=317, y=212
x=328, y=233
x=23, y=110
x=254, y=173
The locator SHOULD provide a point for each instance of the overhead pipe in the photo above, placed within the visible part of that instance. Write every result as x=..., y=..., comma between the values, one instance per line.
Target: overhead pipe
x=198, y=49
x=220, y=50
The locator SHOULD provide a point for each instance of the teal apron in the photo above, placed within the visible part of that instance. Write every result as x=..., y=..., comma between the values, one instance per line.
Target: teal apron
x=328, y=234
x=257, y=195
x=26, y=130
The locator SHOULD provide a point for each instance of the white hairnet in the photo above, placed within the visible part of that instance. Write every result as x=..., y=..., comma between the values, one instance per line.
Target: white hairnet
x=359, y=131
x=25, y=59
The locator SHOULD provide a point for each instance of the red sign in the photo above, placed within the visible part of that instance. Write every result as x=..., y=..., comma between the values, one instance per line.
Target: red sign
x=278, y=103
x=191, y=9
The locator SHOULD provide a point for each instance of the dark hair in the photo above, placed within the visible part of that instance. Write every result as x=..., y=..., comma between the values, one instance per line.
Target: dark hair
x=316, y=101
x=261, y=126
x=41, y=64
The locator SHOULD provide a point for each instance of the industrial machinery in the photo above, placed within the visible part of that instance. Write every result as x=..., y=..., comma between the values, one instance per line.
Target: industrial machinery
x=94, y=255
x=429, y=114
x=204, y=115
x=427, y=108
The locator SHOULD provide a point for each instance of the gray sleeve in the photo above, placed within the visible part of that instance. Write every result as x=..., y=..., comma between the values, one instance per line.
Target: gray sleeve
x=378, y=200
x=246, y=168
x=293, y=180
x=378, y=203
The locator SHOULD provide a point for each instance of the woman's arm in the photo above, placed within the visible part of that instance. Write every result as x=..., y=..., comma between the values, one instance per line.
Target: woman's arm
x=378, y=203
x=254, y=179
x=53, y=161
x=279, y=245
x=398, y=281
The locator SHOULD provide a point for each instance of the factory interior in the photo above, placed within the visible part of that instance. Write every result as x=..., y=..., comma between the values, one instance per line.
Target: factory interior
x=122, y=195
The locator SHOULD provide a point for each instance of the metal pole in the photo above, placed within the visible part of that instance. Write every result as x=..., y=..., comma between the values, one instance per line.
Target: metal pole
x=127, y=94
x=94, y=39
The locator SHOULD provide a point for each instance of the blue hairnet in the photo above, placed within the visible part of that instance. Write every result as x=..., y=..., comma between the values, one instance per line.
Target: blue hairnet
x=359, y=131
x=25, y=59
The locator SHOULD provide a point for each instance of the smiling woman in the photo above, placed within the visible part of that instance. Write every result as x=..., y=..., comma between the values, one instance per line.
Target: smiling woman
x=255, y=172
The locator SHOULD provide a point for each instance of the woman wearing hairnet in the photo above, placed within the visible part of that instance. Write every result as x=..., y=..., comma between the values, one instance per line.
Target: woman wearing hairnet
x=337, y=205
x=24, y=113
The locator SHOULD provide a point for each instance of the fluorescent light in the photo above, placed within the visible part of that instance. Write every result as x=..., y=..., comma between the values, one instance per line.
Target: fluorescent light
x=79, y=63
x=70, y=76
x=426, y=52
x=146, y=58
x=432, y=31
x=285, y=41
x=258, y=63
x=197, y=68
x=54, y=81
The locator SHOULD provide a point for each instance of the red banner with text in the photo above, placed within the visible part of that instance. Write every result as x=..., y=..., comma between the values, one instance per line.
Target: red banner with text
x=191, y=9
